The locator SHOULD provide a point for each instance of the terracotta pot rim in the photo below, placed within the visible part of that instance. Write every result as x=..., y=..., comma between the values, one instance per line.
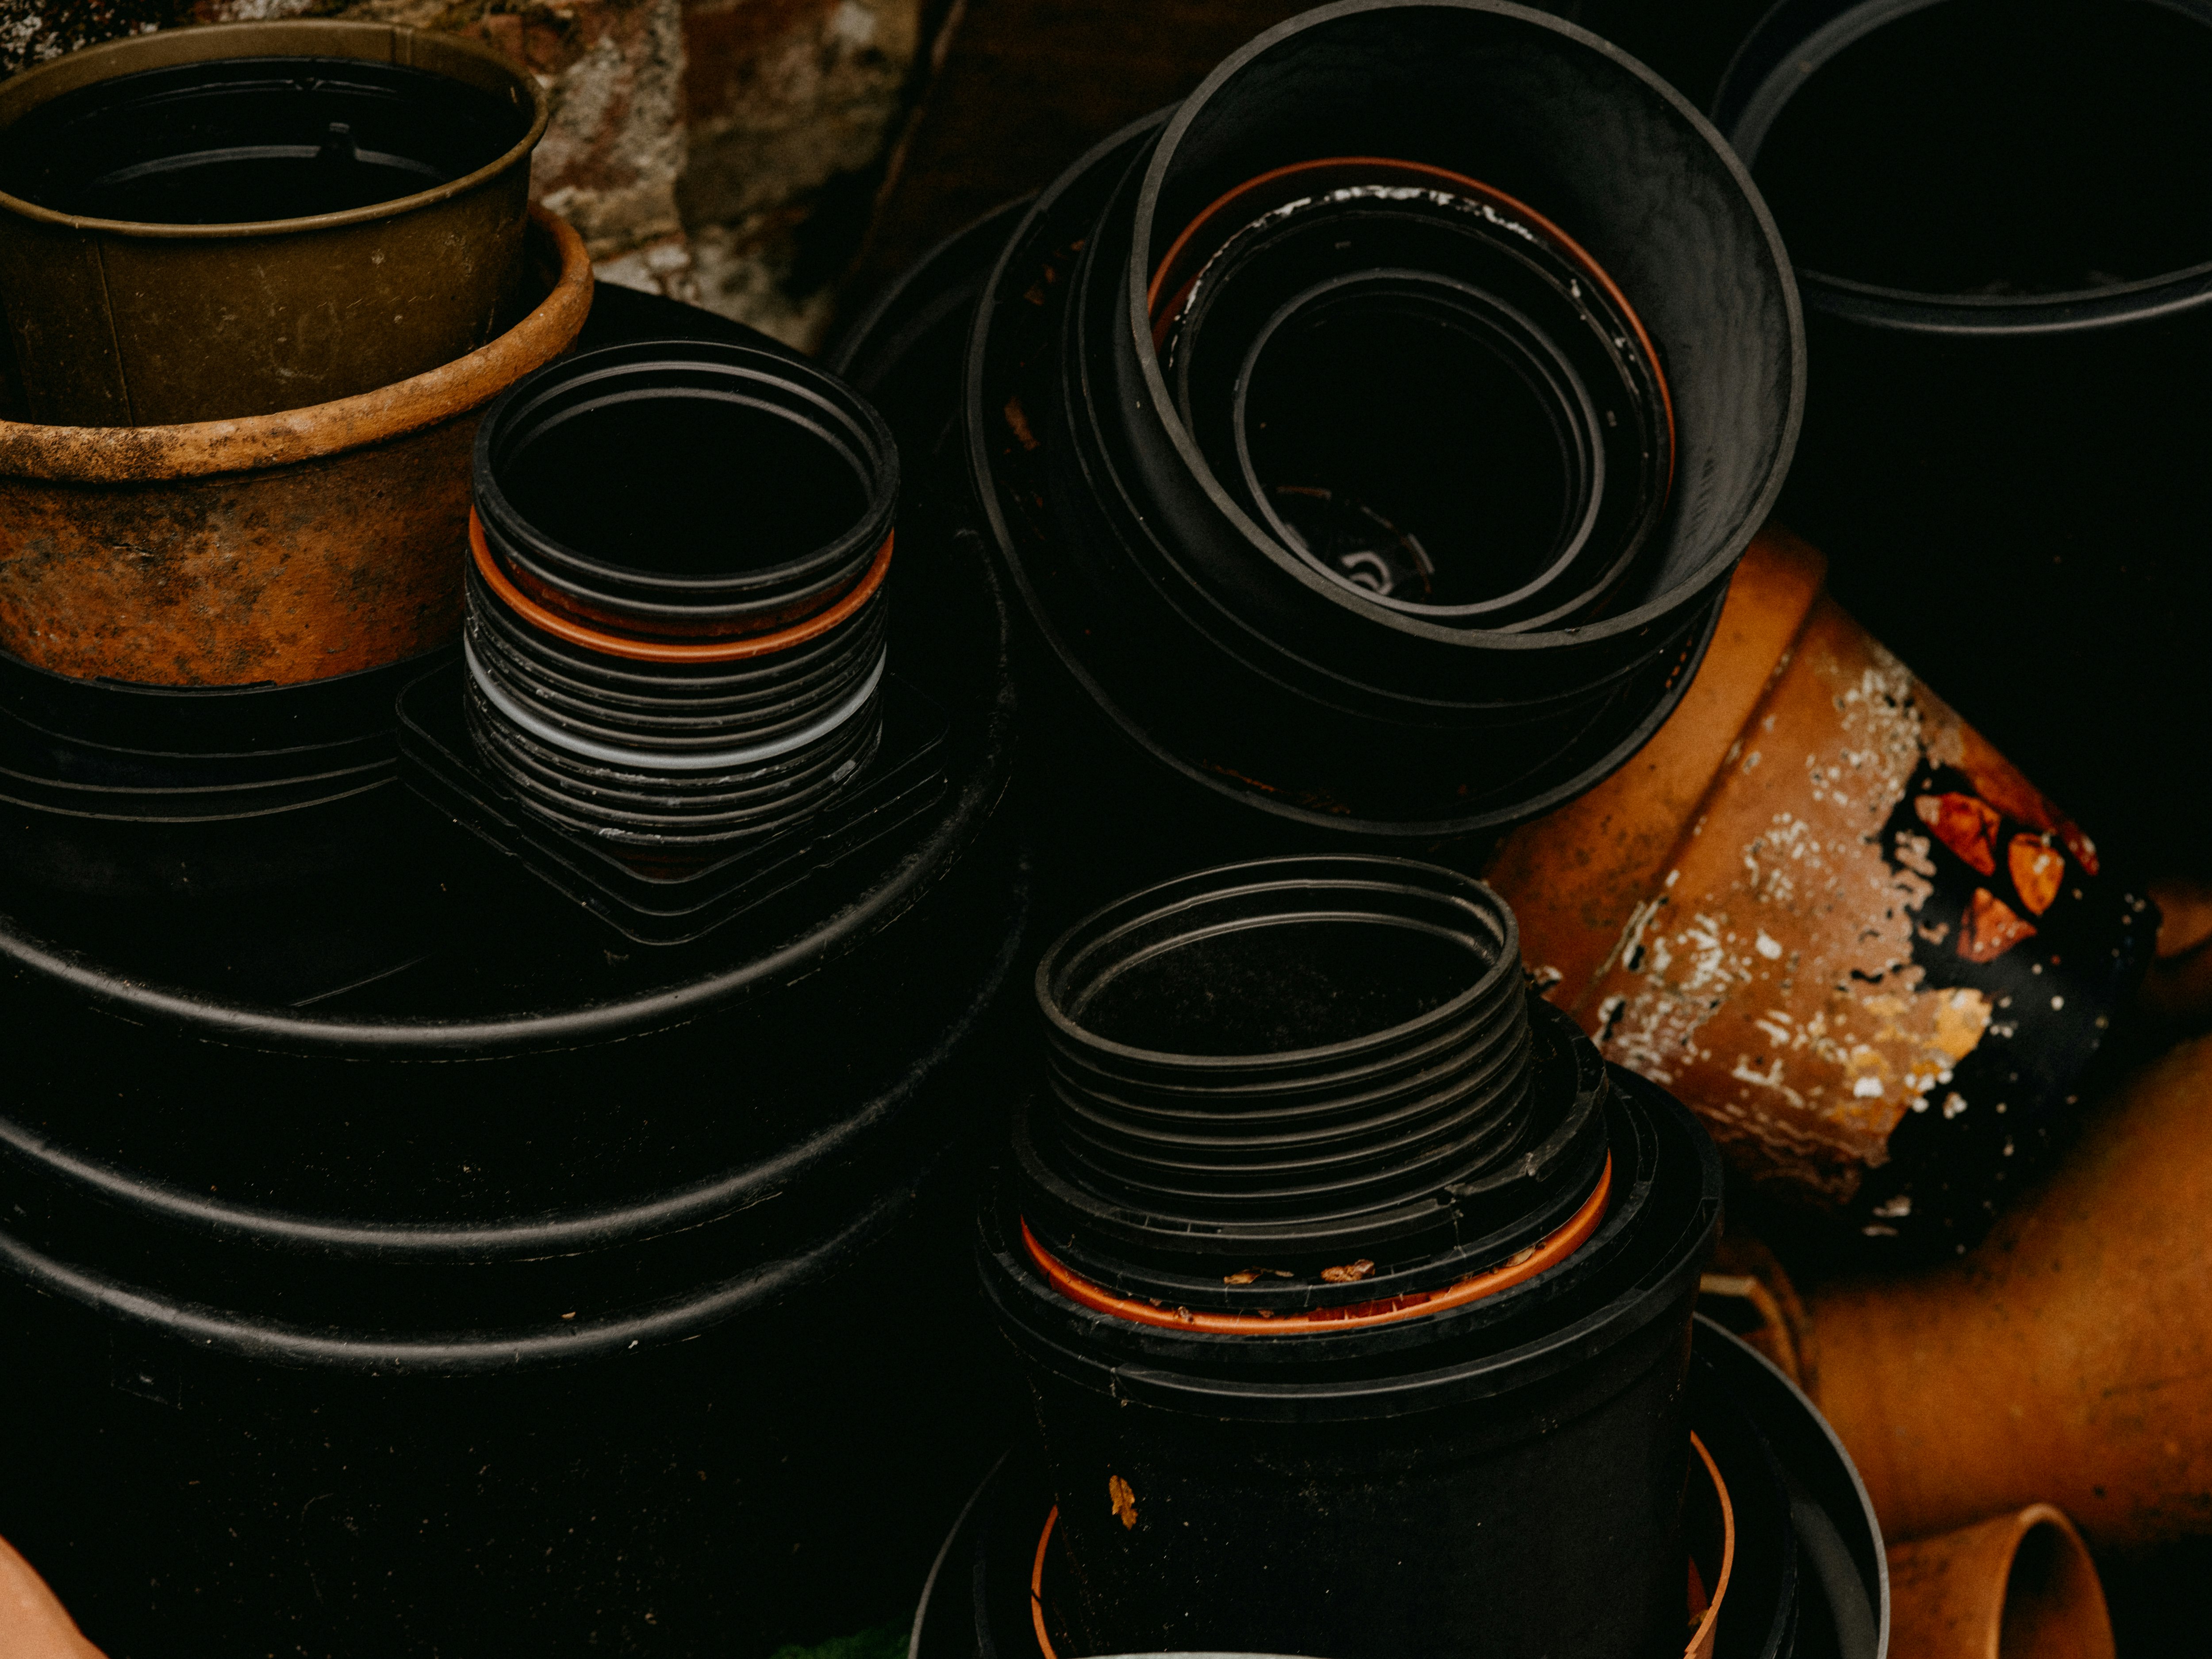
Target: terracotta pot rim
x=146, y=454
x=329, y=28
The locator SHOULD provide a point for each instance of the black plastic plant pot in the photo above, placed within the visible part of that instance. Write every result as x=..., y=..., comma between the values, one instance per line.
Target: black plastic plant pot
x=1318, y=1200
x=1371, y=437
x=906, y=353
x=1998, y=214
x=515, y=1289
x=677, y=600
x=1785, y=1558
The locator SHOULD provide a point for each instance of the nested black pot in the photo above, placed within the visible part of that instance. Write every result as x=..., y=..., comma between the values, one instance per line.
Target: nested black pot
x=1371, y=436
x=1998, y=215
x=1352, y=1291
x=1805, y=1577
x=676, y=606
x=528, y=1294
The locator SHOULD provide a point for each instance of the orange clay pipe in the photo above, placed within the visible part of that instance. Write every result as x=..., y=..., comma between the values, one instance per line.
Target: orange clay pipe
x=2066, y=1359
x=2019, y=1586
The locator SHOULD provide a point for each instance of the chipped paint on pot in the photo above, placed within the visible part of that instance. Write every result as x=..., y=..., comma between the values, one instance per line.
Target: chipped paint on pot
x=1825, y=911
x=277, y=548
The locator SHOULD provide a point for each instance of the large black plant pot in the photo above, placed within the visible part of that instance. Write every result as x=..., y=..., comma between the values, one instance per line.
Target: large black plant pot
x=1290, y=585
x=537, y=1292
x=1808, y=1580
x=2001, y=217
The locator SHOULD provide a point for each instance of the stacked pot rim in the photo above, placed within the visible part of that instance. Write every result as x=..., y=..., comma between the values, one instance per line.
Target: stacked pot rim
x=1184, y=584
x=684, y=647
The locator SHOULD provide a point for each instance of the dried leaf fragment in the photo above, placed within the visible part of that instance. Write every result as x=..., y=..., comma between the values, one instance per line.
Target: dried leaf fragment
x=2039, y=869
x=1968, y=827
x=1124, y=1500
x=1991, y=927
x=1351, y=1273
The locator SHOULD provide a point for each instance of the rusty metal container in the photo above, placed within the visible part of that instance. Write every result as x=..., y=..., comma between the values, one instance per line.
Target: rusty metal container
x=1825, y=913
x=277, y=548
x=315, y=210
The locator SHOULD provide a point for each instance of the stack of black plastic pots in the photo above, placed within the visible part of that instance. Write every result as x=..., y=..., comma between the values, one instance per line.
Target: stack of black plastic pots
x=655, y=657
x=1354, y=1292
x=1998, y=214
x=519, y=1287
x=1371, y=436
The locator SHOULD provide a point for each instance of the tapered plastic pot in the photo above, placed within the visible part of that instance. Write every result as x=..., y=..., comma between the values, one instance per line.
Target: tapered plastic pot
x=219, y=222
x=1333, y=656
x=1883, y=967
x=1996, y=212
x=513, y=1288
x=1314, y=1201
x=1795, y=1568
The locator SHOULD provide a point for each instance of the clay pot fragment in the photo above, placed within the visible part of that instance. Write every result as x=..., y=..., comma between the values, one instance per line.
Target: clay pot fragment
x=2018, y=1586
x=1822, y=910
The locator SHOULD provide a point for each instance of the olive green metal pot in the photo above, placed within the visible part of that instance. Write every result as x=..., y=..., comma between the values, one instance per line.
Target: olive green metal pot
x=151, y=321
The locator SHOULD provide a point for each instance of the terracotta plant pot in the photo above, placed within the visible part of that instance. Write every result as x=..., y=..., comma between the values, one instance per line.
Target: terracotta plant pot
x=260, y=216
x=1821, y=910
x=33, y=1624
x=2019, y=1586
x=2068, y=1359
x=282, y=548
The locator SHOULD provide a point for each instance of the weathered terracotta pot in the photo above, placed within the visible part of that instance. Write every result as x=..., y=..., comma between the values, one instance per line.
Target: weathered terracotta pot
x=33, y=1624
x=2068, y=1359
x=282, y=548
x=2018, y=1586
x=1820, y=909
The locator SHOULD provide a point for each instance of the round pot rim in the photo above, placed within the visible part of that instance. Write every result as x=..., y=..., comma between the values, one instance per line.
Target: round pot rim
x=1311, y=872
x=330, y=28
x=323, y=1346
x=1927, y=310
x=742, y=366
x=143, y=454
x=523, y=1238
x=1135, y=280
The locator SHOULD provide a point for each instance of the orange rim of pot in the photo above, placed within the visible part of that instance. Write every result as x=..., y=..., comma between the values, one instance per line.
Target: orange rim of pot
x=1164, y=317
x=135, y=455
x=567, y=604
x=1555, y=1248
x=1699, y=1646
x=637, y=650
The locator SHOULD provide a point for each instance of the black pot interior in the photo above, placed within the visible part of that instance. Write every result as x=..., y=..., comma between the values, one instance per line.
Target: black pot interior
x=246, y=140
x=1993, y=147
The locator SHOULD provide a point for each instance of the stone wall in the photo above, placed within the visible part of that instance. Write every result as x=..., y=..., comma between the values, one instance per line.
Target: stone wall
x=725, y=152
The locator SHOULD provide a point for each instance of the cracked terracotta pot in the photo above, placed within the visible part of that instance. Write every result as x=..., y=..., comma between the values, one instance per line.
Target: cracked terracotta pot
x=277, y=550
x=1825, y=913
x=2018, y=1586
